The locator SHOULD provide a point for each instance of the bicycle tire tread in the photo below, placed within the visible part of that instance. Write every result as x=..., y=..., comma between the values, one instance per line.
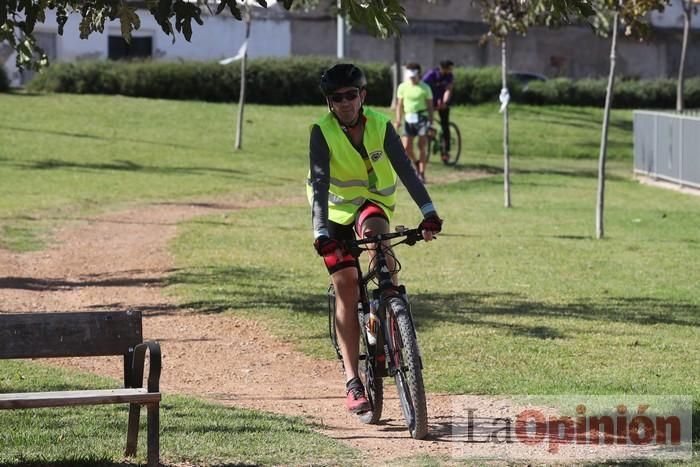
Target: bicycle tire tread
x=415, y=383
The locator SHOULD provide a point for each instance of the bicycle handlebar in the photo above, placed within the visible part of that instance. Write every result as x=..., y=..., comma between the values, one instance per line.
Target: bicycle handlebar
x=411, y=237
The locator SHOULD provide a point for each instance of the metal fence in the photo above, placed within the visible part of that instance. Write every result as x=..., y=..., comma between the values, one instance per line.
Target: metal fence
x=667, y=146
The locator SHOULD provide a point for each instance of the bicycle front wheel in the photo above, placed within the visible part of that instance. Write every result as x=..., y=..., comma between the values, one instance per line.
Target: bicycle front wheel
x=409, y=374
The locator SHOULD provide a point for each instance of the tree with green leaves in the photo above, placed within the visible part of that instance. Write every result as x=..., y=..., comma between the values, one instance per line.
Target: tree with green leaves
x=20, y=17
x=631, y=15
x=381, y=18
x=506, y=17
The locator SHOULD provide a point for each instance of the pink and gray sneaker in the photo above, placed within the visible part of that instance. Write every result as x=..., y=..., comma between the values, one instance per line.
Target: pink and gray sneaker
x=356, y=402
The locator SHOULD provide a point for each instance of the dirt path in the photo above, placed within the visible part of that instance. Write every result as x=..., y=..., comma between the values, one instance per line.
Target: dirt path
x=119, y=261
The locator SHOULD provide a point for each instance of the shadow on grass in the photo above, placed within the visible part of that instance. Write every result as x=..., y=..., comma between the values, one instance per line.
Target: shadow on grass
x=92, y=280
x=96, y=462
x=240, y=287
x=595, y=145
x=246, y=288
x=125, y=166
x=185, y=423
x=35, y=131
x=498, y=170
x=571, y=118
x=53, y=385
x=477, y=308
x=95, y=220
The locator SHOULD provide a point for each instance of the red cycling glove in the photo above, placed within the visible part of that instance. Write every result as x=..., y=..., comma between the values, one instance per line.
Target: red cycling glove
x=431, y=223
x=327, y=246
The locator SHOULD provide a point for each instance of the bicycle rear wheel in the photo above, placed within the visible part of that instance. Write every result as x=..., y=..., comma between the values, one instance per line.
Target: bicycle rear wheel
x=455, y=145
x=409, y=377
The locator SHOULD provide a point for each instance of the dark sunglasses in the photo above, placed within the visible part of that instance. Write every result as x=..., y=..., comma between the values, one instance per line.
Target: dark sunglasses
x=347, y=95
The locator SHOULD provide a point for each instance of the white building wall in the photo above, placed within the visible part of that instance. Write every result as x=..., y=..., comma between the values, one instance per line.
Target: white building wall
x=219, y=37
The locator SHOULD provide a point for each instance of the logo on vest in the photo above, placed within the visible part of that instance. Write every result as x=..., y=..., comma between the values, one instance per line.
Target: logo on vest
x=376, y=155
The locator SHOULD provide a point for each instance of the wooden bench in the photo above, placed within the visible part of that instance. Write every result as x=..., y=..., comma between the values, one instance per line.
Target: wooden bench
x=88, y=334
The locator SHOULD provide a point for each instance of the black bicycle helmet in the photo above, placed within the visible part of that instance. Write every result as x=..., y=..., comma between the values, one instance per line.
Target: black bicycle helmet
x=341, y=76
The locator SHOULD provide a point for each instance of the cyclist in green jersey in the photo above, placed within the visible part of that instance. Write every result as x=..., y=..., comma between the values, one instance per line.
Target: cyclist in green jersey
x=414, y=114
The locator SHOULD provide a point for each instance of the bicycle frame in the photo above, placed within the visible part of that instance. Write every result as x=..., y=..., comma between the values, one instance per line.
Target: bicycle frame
x=386, y=290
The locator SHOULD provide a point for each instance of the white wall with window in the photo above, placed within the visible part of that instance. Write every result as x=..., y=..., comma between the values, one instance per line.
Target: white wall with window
x=220, y=37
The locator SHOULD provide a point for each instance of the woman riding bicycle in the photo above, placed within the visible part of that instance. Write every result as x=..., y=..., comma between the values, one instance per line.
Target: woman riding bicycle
x=355, y=158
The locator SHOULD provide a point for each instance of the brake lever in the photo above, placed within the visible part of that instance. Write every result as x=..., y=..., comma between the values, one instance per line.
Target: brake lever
x=355, y=250
x=412, y=238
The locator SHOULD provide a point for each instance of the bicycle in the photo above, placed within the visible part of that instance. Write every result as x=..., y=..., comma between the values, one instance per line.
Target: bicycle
x=436, y=143
x=395, y=353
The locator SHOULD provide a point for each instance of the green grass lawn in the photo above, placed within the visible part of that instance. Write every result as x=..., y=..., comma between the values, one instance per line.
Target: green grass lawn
x=507, y=301
x=192, y=431
x=72, y=154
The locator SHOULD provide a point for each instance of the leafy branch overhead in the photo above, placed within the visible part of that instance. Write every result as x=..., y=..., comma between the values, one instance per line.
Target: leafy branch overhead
x=381, y=18
x=517, y=16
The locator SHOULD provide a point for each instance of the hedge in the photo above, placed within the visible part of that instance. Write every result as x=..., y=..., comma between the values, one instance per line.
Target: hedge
x=645, y=93
x=268, y=81
x=293, y=81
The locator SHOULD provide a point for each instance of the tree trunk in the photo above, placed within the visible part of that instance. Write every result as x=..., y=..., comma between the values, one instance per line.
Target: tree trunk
x=396, y=75
x=241, y=98
x=687, y=11
x=599, y=230
x=506, y=156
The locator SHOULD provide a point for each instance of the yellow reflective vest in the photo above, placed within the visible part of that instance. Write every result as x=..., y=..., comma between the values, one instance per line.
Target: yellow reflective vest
x=350, y=185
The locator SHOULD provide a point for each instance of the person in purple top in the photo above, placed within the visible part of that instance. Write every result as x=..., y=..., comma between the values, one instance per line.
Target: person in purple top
x=440, y=80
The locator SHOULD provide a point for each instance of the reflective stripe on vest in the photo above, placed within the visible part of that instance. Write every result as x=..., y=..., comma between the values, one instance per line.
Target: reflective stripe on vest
x=349, y=185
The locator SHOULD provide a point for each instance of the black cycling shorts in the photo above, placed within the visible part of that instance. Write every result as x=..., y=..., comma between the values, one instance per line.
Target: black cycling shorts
x=419, y=128
x=335, y=262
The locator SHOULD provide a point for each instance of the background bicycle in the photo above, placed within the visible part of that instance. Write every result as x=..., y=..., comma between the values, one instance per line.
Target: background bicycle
x=436, y=143
x=388, y=343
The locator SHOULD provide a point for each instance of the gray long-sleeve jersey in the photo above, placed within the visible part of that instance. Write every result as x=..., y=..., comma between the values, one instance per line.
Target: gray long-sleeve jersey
x=319, y=156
